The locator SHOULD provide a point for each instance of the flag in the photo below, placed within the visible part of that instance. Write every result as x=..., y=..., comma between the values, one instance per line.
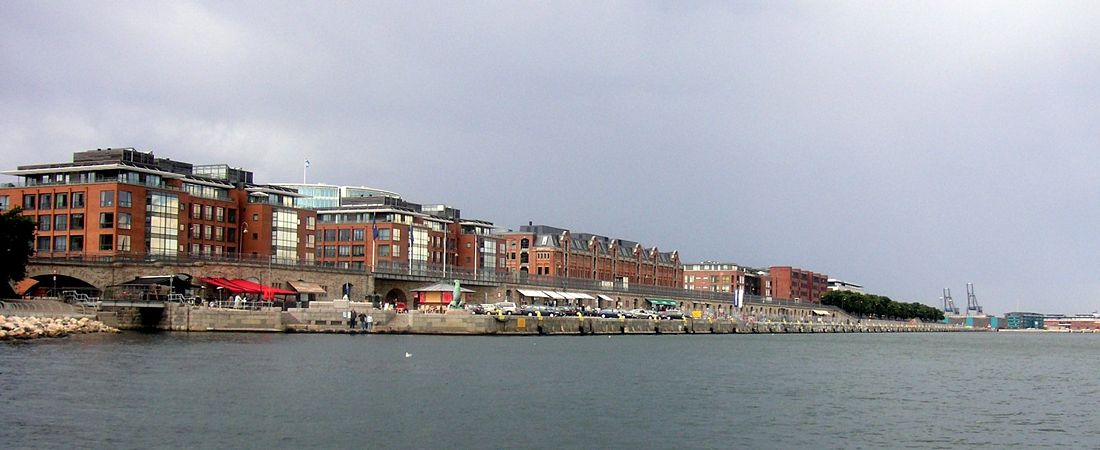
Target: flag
x=374, y=226
x=307, y=163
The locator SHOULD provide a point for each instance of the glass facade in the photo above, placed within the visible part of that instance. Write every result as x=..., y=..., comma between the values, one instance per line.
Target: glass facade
x=419, y=245
x=162, y=224
x=284, y=236
x=319, y=196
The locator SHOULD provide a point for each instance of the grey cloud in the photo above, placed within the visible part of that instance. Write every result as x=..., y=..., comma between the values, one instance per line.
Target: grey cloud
x=905, y=146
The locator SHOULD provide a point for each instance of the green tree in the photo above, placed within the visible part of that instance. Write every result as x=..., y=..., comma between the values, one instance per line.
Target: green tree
x=879, y=306
x=17, y=244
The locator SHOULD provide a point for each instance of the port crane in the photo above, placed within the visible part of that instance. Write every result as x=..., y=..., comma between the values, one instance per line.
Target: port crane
x=972, y=300
x=949, y=304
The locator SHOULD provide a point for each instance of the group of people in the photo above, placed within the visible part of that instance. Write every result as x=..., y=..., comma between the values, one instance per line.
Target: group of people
x=365, y=321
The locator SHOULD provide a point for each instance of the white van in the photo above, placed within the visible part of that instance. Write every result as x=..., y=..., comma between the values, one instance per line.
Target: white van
x=507, y=307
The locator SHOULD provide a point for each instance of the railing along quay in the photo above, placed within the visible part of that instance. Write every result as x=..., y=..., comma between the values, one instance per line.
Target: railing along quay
x=415, y=271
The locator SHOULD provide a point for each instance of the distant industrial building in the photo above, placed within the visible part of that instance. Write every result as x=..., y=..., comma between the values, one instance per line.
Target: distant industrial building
x=834, y=284
x=1077, y=322
x=1024, y=320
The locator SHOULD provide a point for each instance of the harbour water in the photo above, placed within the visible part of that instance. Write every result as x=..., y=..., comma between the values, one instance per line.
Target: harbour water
x=213, y=390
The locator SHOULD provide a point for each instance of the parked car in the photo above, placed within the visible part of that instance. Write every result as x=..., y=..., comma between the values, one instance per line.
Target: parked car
x=534, y=310
x=568, y=310
x=488, y=308
x=671, y=314
x=643, y=314
x=611, y=313
x=507, y=307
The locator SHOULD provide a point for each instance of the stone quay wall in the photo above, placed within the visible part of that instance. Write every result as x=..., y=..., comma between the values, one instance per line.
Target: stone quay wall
x=330, y=320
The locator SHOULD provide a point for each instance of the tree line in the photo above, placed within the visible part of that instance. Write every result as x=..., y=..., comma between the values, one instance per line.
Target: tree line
x=880, y=306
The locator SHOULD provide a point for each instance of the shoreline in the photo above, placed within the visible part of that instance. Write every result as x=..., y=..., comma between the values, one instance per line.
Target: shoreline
x=19, y=328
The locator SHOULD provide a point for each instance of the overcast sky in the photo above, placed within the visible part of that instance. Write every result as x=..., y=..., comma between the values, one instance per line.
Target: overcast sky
x=906, y=146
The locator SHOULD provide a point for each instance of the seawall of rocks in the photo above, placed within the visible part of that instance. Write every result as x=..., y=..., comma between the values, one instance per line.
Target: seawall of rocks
x=15, y=327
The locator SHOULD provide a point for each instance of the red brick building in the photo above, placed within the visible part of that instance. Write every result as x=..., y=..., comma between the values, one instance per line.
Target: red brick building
x=389, y=233
x=541, y=250
x=127, y=203
x=797, y=284
x=714, y=276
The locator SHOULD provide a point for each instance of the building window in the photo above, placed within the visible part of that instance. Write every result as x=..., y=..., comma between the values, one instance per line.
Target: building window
x=219, y=234
x=44, y=201
x=358, y=234
x=76, y=243
x=330, y=251
x=106, y=242
x=209, y=212
x=396, y=235
x=162, y=225
x=106, y=220
x=255, y=217
x=383, y=250
x=61, y=201
x=196, y=231
x=219, y=214
x=231, y=215
x=78, y=201
x=43, y=244
x=77, y=222
x=330, y=235
x=196, y=211
x=123, y=243
x=311, y=222
x=44, y=223
x=311, y=240
x=124, y=221
x=207, y=232
x=29, y=202
x=344, y=250
x=345, y=235
x=61, y=222
x=384, y=234
x=107, y=198
x=358, y=250
x=4, y=203
x=125, y=199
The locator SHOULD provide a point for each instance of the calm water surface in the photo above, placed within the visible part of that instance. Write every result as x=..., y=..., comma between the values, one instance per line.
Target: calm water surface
x=208, y=390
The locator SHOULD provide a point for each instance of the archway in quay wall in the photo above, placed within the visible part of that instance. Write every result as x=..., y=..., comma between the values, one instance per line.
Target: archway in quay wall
x=396, y=295
x=55, y=284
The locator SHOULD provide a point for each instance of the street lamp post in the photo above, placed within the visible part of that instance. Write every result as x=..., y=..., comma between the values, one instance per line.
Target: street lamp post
x=240, y=239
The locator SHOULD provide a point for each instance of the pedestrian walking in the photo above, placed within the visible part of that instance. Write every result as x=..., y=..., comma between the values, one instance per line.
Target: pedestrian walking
x=363, y=321
x=370, y=322
x=351, y=320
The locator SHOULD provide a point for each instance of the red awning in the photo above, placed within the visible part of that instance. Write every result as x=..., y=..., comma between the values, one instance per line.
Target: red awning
x=268, y=292
x=227, y=285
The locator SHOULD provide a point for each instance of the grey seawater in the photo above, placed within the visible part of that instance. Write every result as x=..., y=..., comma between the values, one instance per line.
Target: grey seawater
x=208, y=390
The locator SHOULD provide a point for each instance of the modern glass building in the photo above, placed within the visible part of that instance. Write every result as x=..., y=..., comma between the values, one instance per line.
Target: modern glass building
x=321, y=196
x=1024, y=320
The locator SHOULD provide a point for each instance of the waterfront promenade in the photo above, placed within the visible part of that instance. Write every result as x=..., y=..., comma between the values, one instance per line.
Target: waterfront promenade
x=173, y=317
